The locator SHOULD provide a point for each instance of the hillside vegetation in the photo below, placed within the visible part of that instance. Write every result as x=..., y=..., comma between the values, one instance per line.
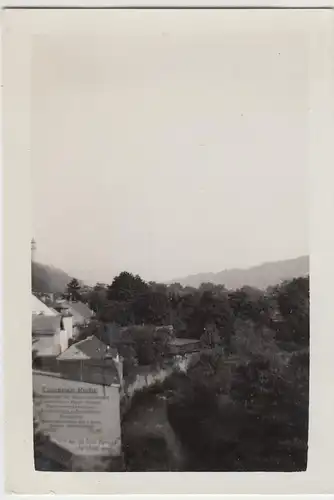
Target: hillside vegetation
x=262, y=276
x=48, y=279
x=243, y=404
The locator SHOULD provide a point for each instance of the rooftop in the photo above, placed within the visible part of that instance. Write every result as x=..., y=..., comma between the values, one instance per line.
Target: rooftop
x=54, y=311
x=90, y=348
x=76, y=307
x=182, y=342
x=82, y=309
x=37, y=307
x=103, y=374
x=45, y=325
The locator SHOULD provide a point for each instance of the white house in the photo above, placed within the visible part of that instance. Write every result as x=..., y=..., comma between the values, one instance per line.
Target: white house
x=51, y=330
x=85, y=376
x=38, y=307
x=48, y=336
x=79, y=312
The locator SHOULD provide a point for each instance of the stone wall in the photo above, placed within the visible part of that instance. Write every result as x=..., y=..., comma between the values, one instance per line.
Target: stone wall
x=145, y=377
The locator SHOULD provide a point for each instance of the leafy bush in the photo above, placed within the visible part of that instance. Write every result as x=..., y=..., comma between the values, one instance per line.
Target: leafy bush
x=263, y=426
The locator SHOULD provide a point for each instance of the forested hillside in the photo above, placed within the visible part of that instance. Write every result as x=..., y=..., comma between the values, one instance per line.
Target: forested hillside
x=262, y=276
x=48, y=279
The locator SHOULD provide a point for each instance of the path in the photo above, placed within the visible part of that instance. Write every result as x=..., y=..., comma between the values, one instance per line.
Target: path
x=149, y=441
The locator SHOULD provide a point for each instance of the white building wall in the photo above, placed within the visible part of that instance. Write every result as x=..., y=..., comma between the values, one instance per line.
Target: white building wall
x=46, y=345
x=68, y=326
x=62, y=340
x=38, y=307
x=102, y=438
x=50, y=345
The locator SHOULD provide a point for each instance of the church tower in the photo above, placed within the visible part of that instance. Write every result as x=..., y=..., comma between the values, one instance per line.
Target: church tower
x=33, y=250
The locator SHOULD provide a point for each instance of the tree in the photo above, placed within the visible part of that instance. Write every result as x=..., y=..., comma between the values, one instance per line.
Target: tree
x=100, y=287
x=117, y=312
x=211, y=371
x=152, y=307
x=277, y=412
x=158, y=287
x=252, y=339
x=207, y=287
x=211, y=336
x=205, y=432
x=175, y=288
x=213, y=310
x=250, y=304
x=293, y=302
x=73, y=290
x=261, y=426
x=212, y=287
x=183, y=307
x=126, y=287
x=97, y=298
x=150, y=343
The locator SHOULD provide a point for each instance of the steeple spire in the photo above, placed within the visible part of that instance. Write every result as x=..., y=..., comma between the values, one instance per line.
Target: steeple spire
x=33, y=250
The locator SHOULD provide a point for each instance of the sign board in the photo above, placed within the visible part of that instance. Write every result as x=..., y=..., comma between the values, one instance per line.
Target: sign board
x=80, y=417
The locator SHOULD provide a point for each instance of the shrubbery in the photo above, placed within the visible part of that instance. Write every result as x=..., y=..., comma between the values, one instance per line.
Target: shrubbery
x=244, y=404
x=261, y=425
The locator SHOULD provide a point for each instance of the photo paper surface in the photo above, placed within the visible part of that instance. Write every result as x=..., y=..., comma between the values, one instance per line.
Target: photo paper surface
x=165, y=161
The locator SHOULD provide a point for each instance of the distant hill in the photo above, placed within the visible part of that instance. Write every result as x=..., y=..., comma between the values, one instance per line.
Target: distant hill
x=262, y=276
x=48, y=279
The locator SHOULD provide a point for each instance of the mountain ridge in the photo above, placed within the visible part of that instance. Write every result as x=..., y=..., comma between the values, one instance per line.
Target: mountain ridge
x=48, y=279
x=260, y=276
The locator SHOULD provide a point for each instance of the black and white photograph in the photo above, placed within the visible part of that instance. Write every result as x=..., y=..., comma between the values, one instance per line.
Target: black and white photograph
x=165, y=159
x=169, y=247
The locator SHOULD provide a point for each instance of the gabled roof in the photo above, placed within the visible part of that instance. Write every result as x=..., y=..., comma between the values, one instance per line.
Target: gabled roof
x=102, y=372
x=56, y=313
x=82, y=309
x=45, y=325
x=74, y=308
x=85, y=361
x=37, y=307
x=90, y=348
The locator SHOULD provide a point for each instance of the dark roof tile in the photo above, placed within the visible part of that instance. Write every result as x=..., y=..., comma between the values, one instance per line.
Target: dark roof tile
x=82, y=309
x=90, y=348
x=45, y=325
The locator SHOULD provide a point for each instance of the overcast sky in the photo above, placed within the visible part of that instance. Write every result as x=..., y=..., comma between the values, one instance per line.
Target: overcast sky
x=169, y=147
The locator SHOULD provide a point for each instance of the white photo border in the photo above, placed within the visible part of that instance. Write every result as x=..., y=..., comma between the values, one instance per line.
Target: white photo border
x=19, y=28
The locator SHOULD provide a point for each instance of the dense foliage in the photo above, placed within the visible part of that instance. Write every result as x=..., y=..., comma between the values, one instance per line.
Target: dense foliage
x=244, y=404
x=255, y=416
x=47, y=279
x=209, y=310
